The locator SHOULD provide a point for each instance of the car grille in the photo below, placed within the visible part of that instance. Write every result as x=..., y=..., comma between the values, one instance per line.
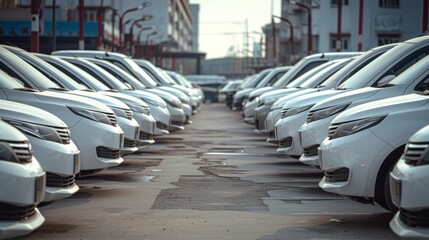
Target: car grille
x=129, y=143
x=311, y=151
x=64, y=134
x=161, y=125
x=310, y=115
x=22, y=151
x=413, y=152
x=144, y=136
x=332, y=129
x=287, y=142
x=340, y=175
x=146, y=110
x=15, y=213
x=53, y=180
x=104, y=152
x=176, y=123
x=112, y=119
x=283, y=112
x=129, y=114
x=415, y=219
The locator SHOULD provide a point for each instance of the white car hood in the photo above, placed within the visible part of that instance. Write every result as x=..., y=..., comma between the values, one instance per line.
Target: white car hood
x=27, y=113
x=259, y=91
x=382, y=107
x=9, y=133
x=277, y=93
x=109, y=101
x=127, y=99
x=346, y=97
x=310, y=98
x=421, y=136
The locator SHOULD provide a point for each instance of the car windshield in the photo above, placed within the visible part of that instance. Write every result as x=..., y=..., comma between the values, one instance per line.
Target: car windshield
x=253, y=82
x=141, y=74
x=411, y=73
x=68, y=68
x=8, y=82
x=167, y=77
x=362, y=77
x=309, y=75
x=325, y=73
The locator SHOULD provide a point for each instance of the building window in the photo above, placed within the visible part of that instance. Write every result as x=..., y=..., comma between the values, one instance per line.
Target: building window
x=387, y=39
x=345, y=42
x=90, y=16
x=389, y=3
x=334, y=3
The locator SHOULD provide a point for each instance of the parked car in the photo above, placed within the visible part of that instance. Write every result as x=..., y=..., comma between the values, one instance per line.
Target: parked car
x=242, y=94
x=364, y=144
x=140, y=81
x=197, y=93
x=85, y=82
x=228, y=88
x=101, y=148
x=169, y=85
x=272, y=77
x=22, y=185
x=300, y=68
x=408, y=188
x=50, y=140
x=315, y=130
x=332, y=82
x=378, y=72
x=56, y=80
x=310, y=79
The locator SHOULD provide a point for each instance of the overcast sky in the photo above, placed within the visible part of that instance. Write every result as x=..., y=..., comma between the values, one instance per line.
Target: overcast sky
x=223, y=23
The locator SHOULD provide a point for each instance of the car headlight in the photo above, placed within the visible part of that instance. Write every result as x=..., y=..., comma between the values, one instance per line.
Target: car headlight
x=155, y=103
x=174, y=103
x=35, y=130
x=349, y=128
x=326, y=112
x=276, y=106
x=119, y=112
x=294, y=111
x=92, y=115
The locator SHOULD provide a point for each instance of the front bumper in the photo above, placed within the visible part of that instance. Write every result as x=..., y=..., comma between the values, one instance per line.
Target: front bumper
x=261, y=114
x=131, y=131
x=178, y=118
x=249, y=111
x=286, y=133
x=351, y=163
x=147, y=129
x=99, y=144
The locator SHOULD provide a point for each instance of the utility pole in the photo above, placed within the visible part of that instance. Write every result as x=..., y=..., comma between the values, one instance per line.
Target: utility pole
x=35, y=26
x=360, y=25
x=339, y=5
x=81, y=20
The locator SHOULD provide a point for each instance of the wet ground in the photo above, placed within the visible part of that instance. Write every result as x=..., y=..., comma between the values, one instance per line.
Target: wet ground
x=215, y=180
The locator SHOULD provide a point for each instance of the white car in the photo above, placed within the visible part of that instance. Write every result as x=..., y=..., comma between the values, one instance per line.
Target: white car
x=315, y=130
x=408, y=188
x=310, y=79
x=364, y=144
x=93, y=125
x=82, y=80
x=50, y=139
x=141, y=81
x=22, y=185
x=272, y=77
x=332, y=82
x=198, y=94
x=376, y=73
x=56, y=80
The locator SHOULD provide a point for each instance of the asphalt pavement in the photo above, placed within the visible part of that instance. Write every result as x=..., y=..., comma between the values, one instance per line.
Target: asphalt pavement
x=217, y=179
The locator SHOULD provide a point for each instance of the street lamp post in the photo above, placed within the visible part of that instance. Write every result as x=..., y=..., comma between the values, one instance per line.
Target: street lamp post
x=144, y=18
x=292, y=44
x=138, y=47
x=121, y=19
x=310, y=37
x=148, y=50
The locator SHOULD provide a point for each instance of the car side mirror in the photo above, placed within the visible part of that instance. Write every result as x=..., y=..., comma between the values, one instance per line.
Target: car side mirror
x=386, y=79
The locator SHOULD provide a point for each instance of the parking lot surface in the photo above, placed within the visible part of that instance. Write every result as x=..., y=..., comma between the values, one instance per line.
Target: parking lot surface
x=217, y=179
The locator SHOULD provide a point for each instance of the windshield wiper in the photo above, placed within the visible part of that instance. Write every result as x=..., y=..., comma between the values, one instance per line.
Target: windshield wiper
x=25, y=89
x=87, y=90
x=112, y=90
x=59, y=89
x=338, y=88
x=383, y=85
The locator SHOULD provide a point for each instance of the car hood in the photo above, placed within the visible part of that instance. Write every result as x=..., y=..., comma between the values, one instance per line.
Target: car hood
x=280, y=102
x=175, y=92
x=183, y=89
x=421, y=136
x=382, y=107
x=243, y=92
x=346, y=97
x=311, y=98
x=259, y=91
x=278, y=93
x=27, y=113
x=127, y=99
x=9, y=133
x=76, y=101
x=107, y=100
